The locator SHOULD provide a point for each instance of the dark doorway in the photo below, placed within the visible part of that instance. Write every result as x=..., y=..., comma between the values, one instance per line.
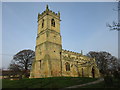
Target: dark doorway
x=93, y=72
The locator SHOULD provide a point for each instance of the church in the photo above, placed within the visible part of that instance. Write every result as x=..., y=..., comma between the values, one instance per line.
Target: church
x=50, y=59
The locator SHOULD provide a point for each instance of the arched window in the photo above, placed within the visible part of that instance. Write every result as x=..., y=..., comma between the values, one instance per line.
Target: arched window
x=67, y=66
x=53, y=22
x=42, y=23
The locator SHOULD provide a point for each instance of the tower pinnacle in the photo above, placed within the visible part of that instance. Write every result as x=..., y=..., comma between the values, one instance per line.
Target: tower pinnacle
x=81, y=52
x=58, y=13
x=47, y=7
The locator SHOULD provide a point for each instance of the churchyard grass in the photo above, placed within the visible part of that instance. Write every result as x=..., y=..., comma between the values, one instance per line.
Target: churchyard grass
x=51, y=82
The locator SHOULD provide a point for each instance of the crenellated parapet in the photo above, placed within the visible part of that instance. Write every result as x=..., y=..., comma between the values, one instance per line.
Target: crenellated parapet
x=49, y=12
x=74, y=56
x=71, y=52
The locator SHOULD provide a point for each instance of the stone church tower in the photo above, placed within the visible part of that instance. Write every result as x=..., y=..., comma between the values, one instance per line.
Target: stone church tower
x=48, y=49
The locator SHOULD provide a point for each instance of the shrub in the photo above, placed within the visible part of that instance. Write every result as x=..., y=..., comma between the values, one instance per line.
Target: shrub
x=108, y=81
x=116, y=74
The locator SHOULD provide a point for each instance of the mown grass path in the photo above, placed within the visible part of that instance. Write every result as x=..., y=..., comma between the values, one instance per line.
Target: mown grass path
x=90, y=83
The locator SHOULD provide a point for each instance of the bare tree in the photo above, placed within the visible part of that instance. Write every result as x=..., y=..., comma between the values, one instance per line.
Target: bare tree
x=116, y=25
x=22, y=61
x=104, y=60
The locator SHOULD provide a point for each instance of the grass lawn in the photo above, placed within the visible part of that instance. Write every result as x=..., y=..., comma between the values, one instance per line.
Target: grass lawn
x=52, y=82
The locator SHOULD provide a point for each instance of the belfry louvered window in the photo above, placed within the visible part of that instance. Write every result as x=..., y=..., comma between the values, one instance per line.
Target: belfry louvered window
x=53, y=22
x=42, y=23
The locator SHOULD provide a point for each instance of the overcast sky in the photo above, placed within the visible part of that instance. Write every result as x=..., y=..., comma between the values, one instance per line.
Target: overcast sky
x=83, y=27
